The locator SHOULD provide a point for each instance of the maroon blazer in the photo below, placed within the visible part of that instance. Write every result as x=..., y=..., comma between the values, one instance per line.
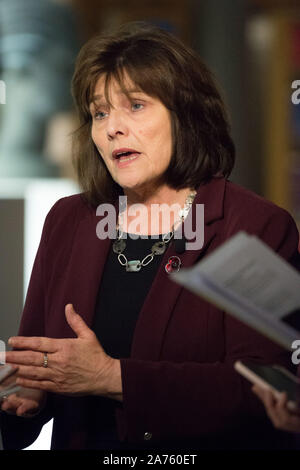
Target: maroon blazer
x=179, y=384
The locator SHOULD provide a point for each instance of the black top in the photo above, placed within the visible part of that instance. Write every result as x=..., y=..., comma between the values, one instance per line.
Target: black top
x=120, y=299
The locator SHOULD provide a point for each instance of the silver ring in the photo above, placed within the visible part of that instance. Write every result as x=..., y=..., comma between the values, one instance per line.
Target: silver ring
x=45, y=361
x=4, y=397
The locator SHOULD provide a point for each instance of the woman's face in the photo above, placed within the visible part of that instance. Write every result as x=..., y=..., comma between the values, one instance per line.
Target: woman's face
x=133, y=135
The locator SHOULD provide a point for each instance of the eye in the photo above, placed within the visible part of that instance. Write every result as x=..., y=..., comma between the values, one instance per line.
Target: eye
x=137, y=106
x=99, y=115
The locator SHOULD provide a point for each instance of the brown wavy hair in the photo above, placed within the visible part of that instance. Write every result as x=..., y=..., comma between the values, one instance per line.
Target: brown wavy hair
x=161, y=66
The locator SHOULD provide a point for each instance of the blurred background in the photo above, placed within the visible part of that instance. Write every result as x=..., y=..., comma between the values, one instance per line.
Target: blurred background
x=252, y=46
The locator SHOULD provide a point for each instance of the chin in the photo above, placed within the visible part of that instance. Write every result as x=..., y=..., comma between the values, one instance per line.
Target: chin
x=131, y=185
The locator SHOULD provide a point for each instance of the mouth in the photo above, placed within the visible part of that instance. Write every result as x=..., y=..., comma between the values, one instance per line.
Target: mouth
x=124, y=155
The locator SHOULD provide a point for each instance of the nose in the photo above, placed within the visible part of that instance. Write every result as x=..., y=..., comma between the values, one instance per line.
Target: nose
x=116, y=124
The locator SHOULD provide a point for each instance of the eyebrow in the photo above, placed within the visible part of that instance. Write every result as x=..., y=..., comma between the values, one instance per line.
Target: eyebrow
x=100, y=97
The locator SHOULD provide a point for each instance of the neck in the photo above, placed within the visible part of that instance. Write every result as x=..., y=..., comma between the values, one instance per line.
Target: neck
x=163, y=194
x=157, y=212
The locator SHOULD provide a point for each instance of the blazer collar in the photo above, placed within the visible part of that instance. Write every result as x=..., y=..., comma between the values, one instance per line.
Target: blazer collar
x=212, y=196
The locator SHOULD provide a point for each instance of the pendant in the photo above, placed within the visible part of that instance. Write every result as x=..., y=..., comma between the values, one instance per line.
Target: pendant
x=133, y=266
x=158, y=248
x=119, y=246
x=173, y=265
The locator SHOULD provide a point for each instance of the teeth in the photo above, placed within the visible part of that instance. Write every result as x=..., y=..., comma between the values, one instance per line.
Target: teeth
x=123, y=153
x=124, y=159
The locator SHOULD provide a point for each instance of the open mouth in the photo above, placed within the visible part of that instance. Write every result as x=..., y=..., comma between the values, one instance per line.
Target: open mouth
x=125, y=155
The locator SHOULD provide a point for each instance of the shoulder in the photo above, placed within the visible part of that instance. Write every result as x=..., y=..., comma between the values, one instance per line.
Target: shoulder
x=70, y=205
x=242, y=204
x=66, y=214
x=246, y=210
x=240, y=196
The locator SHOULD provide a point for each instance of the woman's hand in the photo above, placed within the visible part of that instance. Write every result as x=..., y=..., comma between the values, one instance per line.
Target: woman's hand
x=77, y=366
x=26, y=402
x=281, y=416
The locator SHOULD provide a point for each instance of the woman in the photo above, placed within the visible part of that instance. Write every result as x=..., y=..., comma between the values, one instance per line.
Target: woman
x=118, y=353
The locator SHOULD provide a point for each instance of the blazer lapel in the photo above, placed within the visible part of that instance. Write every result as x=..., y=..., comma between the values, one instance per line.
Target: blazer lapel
x=164, y=292
x=85, y=268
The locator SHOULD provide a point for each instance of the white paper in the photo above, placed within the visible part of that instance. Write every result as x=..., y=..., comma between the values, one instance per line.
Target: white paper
x=247, y=279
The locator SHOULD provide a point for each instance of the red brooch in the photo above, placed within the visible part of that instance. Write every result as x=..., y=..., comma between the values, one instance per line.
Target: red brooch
x=173, y=265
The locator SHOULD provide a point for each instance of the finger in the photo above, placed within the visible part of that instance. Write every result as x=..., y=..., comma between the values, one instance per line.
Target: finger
x=34, y=343
x=282, y=412
x=258, y=391
x=18, y=405
x=25, y=357
x=5, y=406
x=27, y=408
x=293, y=408
x=280, y=415
x=77, y=323
x=45, y=385
x=264, y=394
x=276, y=409
x=282, y=400
x=34, y=373
x=11, y=403
x=269, y=399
